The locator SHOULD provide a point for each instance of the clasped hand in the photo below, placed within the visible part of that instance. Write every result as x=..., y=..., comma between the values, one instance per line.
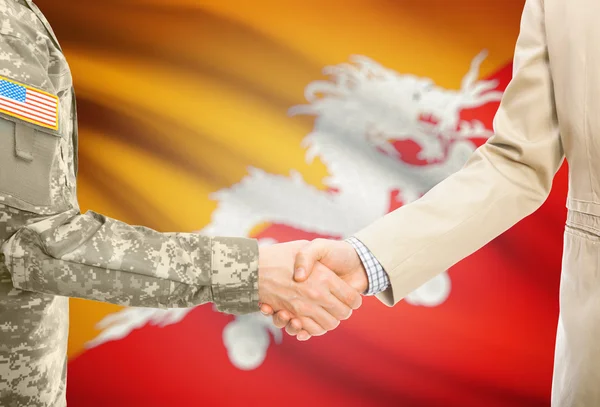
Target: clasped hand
x=310, y=287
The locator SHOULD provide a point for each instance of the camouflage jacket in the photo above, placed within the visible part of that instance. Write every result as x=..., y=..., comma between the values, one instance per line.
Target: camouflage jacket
x=51, y=251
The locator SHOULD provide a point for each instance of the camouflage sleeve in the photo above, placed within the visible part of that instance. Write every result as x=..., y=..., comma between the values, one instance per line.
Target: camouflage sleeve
x=94, y=257
x=60, y=251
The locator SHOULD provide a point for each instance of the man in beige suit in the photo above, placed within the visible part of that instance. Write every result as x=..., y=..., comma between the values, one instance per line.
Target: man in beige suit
x=549, y=110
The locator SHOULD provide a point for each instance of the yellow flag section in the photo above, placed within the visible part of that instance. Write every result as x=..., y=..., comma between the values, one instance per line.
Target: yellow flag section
x=178, y=98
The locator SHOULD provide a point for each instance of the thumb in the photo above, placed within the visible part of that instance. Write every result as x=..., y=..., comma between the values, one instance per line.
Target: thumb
x=307, y=257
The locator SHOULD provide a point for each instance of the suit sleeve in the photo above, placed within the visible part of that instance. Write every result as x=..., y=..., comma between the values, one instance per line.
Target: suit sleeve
x=505, y=180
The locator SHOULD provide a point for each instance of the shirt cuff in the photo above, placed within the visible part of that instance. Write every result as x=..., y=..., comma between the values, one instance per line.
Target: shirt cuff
x=378, y=279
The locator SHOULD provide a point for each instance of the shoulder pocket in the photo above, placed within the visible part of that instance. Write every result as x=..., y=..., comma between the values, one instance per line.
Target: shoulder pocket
x=31, y=176
x=28, y=158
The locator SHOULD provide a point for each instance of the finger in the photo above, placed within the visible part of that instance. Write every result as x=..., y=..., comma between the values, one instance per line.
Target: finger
x=266, y=309
x=343, y=292
x=307, y=257
x=323, y=318
x=294, y=327
x=337, y=309
x=303, y=336
x=312, y=327
x=341, y=297
x=281, y=319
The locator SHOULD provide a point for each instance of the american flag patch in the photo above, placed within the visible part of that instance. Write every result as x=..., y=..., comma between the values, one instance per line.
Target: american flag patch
x=29, y=104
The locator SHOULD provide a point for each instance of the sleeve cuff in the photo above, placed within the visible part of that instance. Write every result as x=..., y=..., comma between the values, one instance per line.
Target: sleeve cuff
x=377, y=277
x=16, y=258
x=234, y=277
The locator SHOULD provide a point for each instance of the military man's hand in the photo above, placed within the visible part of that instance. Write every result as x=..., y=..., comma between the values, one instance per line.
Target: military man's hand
x=318, y=303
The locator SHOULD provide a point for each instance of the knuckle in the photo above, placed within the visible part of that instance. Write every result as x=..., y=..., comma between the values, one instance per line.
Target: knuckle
x=301, y=309
x=350, y=298
x=319, y=241
x=325, y=278
x=281, y=318
x=295, y=305
x=277, y=322
x=313, y=293
x=295, y=325
x=330, y=304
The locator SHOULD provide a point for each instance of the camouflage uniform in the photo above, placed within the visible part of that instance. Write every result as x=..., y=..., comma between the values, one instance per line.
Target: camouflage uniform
x=50, y=251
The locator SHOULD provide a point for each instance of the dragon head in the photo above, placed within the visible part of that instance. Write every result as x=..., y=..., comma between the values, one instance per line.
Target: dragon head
x=366, y=102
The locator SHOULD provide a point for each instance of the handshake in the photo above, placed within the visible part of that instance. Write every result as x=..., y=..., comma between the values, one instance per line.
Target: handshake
x=309, y=287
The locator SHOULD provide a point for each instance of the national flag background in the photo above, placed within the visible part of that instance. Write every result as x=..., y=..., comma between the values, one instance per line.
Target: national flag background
x=178, y=98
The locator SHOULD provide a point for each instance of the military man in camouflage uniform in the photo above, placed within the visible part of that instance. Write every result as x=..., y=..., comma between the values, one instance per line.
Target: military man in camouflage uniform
x=50, y=251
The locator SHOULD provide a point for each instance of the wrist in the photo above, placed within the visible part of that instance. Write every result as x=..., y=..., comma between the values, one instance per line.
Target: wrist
x=359, y=279
x=362, y=280
x=273, y=278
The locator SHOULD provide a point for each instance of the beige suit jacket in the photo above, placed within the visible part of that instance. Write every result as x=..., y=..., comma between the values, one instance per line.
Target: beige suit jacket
x=551, y=109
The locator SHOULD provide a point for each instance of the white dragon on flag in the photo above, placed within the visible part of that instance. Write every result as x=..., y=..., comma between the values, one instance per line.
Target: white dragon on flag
x=360, y=113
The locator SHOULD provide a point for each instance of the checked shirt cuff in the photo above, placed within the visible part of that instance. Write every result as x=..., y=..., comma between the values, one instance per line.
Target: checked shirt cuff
x=378, y=278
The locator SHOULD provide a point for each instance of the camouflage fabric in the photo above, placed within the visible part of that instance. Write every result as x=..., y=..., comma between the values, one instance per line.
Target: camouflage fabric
x=50, y=251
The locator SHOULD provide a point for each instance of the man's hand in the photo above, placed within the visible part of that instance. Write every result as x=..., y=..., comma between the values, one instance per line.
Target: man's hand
x=318, y=303
x=338, y=256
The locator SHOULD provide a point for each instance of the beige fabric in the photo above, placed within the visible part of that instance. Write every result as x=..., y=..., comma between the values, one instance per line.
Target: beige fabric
x=549, y=110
